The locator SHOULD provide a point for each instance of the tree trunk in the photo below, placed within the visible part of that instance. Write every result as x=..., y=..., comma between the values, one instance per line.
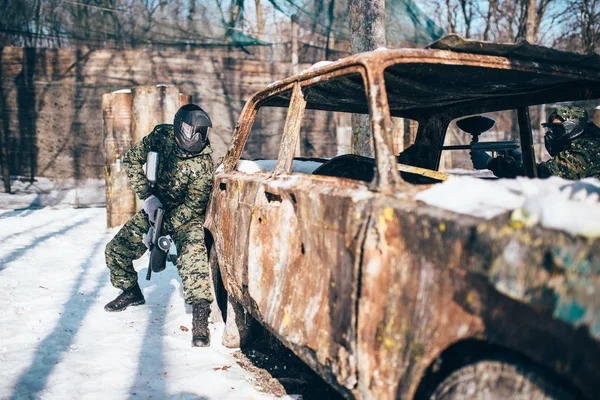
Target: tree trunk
x=294, y=44
x=4, y=127
x=367, y=27
x=260, y=28
x=330, y=39
x=488, y=20
x=531, y=27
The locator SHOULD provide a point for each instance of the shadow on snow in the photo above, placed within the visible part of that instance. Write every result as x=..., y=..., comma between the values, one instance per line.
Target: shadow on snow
x=13, y=255
x=150, y=379
x=52, y=348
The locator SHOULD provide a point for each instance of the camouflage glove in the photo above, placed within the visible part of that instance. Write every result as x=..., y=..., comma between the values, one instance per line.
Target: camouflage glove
x=480, y=159
x=151, y=204
x=147, y=237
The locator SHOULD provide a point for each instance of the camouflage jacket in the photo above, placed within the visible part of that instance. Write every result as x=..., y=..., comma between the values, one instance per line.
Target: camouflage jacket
x=183, y=181
x=581, y=159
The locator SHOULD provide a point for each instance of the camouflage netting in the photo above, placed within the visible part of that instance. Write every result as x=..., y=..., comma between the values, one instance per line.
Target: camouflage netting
x=406, y=23
x=135, y=23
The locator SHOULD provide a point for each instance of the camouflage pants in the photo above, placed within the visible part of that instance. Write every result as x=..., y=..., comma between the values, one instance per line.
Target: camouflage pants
x=192, y=257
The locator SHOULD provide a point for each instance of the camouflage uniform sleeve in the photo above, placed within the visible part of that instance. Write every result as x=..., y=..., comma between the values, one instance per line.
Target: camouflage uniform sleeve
x=569, y=164
x=505, y=167
x=134, y=160
x=198, y=192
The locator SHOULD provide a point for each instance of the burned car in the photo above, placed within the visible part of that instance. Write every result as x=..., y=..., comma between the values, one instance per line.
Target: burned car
x=385, y=296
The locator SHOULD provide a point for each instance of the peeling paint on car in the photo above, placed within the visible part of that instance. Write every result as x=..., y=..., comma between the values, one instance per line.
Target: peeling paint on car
x=368, y=285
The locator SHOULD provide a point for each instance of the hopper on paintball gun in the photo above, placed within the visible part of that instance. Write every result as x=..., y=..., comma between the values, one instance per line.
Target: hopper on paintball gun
x=475, y=126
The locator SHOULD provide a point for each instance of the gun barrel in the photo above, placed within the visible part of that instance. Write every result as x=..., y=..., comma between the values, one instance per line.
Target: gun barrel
x=495, y=146
x=160, y=212
x=486, y=146
x=457, y=147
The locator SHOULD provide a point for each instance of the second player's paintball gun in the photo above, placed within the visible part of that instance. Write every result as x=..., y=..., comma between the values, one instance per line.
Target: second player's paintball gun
x=476, y=126
x=160, y=244
x=486, y=146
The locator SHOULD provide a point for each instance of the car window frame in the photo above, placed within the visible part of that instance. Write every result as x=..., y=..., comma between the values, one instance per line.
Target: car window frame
x=294, y=119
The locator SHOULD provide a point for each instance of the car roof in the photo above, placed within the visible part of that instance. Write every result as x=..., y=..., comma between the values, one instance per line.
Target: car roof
x=453, y=73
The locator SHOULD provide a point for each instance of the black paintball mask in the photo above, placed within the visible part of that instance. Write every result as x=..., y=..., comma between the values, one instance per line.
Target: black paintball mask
x=560, y=134
x=191, y=128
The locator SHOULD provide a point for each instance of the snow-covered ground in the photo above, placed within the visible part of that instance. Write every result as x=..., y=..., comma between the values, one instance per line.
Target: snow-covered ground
x=56, y=340
x=44, y=192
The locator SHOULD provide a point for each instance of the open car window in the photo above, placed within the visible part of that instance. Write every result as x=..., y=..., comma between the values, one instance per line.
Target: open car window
x=456, y=160
x=505, y=131
x=324, y=144
x=266, y=133
x=264, y=139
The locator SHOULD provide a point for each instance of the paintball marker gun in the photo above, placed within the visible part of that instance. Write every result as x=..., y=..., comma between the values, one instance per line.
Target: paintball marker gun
x=486, y=146
x=160, y=245
x=476, y=126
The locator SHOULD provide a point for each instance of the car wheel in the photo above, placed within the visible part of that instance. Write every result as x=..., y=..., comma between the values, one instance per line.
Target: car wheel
x=500, y=379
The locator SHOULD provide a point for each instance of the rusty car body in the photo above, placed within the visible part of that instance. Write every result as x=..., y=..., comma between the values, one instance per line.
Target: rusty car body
x=377, y=292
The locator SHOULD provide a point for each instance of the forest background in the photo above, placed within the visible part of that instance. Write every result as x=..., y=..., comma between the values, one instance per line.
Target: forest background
x=563, y=24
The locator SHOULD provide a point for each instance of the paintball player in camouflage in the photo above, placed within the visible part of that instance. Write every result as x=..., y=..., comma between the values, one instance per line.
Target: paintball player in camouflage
x=183, y=184
x=572, y=141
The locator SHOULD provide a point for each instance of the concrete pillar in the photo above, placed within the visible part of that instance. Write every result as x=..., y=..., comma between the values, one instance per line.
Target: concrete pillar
x=151, y=106
x=129, y=115
x=120, y=197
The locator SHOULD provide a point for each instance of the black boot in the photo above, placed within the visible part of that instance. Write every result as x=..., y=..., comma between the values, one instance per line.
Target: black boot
x=130, y=297
x=200, y=333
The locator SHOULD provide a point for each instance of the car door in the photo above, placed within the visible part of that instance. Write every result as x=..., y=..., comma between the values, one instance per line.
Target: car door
x=229, y=211
x=303, y=259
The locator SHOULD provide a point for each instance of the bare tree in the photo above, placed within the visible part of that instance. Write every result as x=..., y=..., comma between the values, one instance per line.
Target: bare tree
x=456, y=16
x=260, y=23
x=451, y=16
x=532, y=21
x=331, y=17
x=589, y=11
x=367, y=26
x=467, y=9
x=496, y=20
x=490, y=17
x=580, y=21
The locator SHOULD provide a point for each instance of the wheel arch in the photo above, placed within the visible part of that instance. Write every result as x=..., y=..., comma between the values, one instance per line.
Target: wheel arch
x=472, y=350
x=209, y=240
x=219, y=290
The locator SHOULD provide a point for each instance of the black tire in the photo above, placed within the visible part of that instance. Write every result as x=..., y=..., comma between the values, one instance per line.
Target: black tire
x=219, y=292
x=238, y=323
x=501, y=379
